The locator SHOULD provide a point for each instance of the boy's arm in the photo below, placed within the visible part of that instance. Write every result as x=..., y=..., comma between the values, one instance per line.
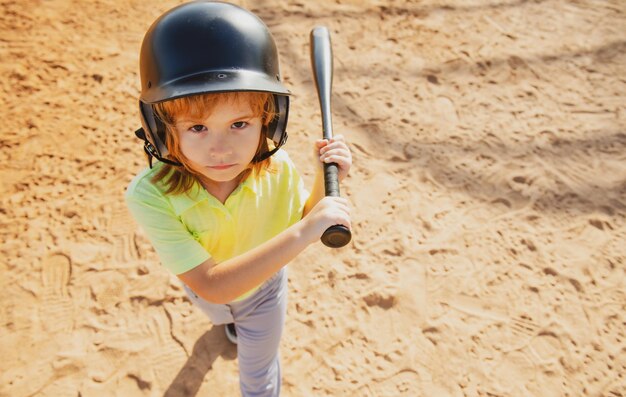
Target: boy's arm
x=222, y=283
x=317, y=192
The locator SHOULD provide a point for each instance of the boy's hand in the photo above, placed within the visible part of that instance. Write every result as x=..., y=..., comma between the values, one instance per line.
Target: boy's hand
x=328, y=212
x=337, y=151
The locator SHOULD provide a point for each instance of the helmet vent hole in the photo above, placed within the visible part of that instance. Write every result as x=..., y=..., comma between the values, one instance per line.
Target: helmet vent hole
x=221, y=76
x=149, y=84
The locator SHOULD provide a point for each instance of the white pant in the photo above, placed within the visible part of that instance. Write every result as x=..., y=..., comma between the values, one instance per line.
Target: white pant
x=259, y=320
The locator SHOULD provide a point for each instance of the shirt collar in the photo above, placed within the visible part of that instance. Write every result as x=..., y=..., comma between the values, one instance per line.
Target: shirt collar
x=182, y=202
x=251, y=183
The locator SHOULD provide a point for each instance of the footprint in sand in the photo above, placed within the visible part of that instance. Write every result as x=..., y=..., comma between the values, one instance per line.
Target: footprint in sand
x=56, y=312
x=146, y=332
x=169, y=353
x=107, y=365
x=514, y=201
x=122, y=229
x=511, y=374
x=18, y=382
x=522, y=327
x=109, y=294
x=401, y=383
x=546, y=349
x=476, y=307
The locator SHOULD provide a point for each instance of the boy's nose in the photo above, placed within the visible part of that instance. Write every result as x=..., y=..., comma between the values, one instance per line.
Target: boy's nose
x=220, y=145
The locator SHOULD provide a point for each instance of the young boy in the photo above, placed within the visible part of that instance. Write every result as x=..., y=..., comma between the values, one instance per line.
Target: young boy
x=223, y=210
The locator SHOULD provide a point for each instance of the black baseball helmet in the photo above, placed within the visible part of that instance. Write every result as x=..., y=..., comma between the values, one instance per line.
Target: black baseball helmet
x=207, y=47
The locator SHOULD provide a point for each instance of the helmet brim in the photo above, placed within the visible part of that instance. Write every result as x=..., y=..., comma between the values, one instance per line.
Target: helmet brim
x=214, y=82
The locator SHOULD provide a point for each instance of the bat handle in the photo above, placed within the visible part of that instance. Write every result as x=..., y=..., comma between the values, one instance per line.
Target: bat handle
x=338, y=235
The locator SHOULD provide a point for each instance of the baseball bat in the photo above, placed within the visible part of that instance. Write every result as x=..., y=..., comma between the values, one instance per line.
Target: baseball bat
x=322, y=62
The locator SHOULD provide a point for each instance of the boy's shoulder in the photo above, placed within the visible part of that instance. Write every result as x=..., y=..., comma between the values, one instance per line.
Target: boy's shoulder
x=142, y=182
x=280, y=166
x=281, y=159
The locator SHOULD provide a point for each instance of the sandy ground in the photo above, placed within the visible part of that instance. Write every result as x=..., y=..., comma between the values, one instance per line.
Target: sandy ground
x=489, y=192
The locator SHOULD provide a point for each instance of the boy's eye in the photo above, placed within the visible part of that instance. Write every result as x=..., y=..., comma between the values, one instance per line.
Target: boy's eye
x=198, y=128
x=239, y=125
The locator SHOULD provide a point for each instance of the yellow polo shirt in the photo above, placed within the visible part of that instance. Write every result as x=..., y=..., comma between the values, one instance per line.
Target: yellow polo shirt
x=187, y=229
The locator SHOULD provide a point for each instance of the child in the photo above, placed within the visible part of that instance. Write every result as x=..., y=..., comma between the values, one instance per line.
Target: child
x=224, y=212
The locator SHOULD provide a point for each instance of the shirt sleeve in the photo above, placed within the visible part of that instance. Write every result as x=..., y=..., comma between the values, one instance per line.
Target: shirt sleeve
x=175, y=245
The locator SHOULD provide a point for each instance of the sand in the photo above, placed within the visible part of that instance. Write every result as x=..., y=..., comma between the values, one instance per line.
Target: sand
x=488, y=187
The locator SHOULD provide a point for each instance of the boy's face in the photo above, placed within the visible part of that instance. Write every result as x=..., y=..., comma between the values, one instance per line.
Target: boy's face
x=222, y=144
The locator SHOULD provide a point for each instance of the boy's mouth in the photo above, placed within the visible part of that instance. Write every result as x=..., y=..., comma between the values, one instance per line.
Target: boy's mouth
x=221, y=166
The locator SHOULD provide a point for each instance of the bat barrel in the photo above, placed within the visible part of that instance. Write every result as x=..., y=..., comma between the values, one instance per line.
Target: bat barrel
x=322, y=62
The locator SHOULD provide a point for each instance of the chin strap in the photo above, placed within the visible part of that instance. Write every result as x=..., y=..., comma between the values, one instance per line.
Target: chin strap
x=151, y=150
